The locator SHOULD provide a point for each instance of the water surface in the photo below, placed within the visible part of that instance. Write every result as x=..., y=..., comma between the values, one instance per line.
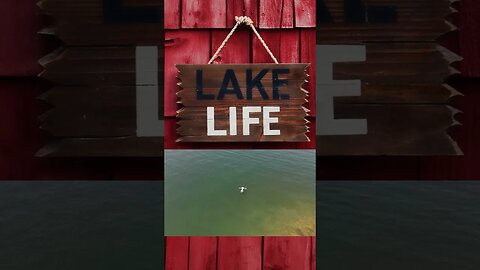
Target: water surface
x=398, y=225
x=81, y=225
x=202, y=195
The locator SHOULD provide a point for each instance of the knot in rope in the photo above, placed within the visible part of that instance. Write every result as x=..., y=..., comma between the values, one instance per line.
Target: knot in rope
x=244, y=19
x=249, y=22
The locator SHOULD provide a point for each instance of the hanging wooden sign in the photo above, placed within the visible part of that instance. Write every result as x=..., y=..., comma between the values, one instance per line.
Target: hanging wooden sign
x=247, y=103
x=107, y=96
x=382, y=76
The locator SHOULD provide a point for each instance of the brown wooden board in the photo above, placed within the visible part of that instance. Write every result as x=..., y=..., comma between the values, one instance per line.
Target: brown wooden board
x=403, y=90
x=99, y=22
x=97, y=76
x=221, y=88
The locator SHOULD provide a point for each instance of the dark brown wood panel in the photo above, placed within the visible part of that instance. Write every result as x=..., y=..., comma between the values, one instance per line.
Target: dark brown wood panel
x=88, y=23
x=94, y=77
x=404, y=91
x=204, y=86
x=104, y=147
x=413, y=20
x=394, y=130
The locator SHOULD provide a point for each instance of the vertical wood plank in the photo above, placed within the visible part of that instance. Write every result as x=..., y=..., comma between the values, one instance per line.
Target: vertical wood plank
x=182, y=47
x=237, y=50
x=203, y=253
x=240, y=253
x=204, y=13
x=172, y=14
x=470, y=37
x=272, y=39
x=287, y=14
x=305, y=13
x=308, y=55
x=176, y=257
x=276, y=14
x=287, y=253
x=290, y=46
x=313, y=257
x=242, y=8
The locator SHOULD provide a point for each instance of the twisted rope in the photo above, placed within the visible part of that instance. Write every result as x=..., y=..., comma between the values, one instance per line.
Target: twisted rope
x=246, y=20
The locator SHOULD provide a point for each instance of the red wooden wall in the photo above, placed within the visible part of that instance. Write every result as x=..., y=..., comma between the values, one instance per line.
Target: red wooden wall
x=240, y=253
x=20, y=138
x=195, y=29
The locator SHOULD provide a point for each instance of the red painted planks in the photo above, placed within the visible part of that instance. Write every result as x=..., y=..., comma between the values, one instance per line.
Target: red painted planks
x=242, y=8
x=470, y=37
x=308, y=55
x=287, y=17
x=182, y=47
x=204, y=14
x=176, y=254
x=272, y=39
x=313, y=256
x=290, y=46
x=287, y=253
x=237, y=50
x=276, y=14
x=203, y=253
x=172, y=14
x=239, y=253
x=305, y=13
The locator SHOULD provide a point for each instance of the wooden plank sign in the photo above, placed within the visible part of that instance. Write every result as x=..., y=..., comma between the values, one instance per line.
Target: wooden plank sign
x=382, y=78
x=242, y=103
x=107, y=96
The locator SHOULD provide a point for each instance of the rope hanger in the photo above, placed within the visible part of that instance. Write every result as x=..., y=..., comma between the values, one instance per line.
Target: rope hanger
x=246, y=20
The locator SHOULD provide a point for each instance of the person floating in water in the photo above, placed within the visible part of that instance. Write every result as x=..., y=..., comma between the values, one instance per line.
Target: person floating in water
x=242, y=189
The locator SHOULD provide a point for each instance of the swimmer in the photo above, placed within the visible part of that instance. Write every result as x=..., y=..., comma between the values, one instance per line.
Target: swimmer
x=242, y=189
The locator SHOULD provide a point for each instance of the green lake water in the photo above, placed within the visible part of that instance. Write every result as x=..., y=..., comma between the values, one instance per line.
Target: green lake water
x=202, y=195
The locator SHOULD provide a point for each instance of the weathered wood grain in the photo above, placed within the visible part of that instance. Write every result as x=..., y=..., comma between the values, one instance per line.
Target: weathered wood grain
x=287, y=253
x=95, y=77
x=404, y=91
x=193, y=116
x=290, y=46
x=422, y=20
x=93, y=66
x=203, y=253
x=239, y=253
x=242, y=8
x=188, y=14
x=237, y=49
x=204, y=14
x=308, y=55
x=172, y=14
x=94, y=98
x=92, y=111
x=103, y=147
x=394, y=130
x=176, y=252
x=87, y=23
x=305, y=13
x=182, y=47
